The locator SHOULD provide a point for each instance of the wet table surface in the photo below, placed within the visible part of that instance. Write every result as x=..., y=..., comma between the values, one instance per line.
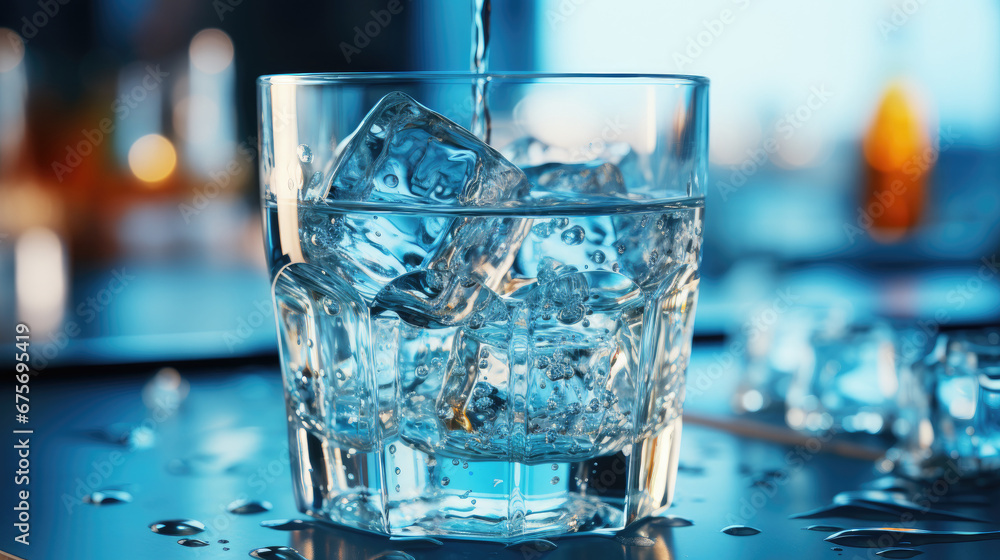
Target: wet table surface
x=228, y=442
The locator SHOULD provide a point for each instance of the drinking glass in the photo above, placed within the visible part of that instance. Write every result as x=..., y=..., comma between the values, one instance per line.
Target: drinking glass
x=483, y=336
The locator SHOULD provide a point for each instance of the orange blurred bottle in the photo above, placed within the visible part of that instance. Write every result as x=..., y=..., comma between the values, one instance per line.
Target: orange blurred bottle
x=896, y=150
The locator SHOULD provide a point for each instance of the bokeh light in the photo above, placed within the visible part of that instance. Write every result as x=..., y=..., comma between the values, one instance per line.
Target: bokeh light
x=11, y=49
x=211, y=51
x=40, y=279
x=152, y=158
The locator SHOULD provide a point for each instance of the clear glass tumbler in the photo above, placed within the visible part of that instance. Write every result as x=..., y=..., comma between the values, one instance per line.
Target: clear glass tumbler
x=483, y=335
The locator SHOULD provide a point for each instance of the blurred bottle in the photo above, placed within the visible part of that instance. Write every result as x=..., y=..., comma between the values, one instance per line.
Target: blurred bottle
x=897, y=154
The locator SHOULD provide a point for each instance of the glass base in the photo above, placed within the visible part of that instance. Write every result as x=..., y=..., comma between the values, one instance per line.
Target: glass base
x=401, y=491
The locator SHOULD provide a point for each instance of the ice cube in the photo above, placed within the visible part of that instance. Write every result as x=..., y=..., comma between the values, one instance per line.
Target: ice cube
x=328, y=361
x=473, y=403
x=460, y=409
x=483, y=247
x=565, y=181
x=528, y=150
x=404, y=151
x=364, y=250
x=584, y=333
x=434, y=300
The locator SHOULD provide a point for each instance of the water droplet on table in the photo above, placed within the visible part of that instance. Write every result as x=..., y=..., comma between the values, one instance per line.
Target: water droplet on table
x=672, y=521
x=193, y=543
x=824, y=528
x=277, y=553
x=107, y=497
x=899, y=553
x=393, y=555
x=540, y=545
x=177, y=527
x=740, y=531
x=635, y=540
x=287, y=524
x=247, y=507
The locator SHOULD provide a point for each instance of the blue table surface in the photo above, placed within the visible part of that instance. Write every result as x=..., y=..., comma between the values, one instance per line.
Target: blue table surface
x=228, y=441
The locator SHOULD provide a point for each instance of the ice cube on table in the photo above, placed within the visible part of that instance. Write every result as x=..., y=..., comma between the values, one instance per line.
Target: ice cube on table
x=403, y=151
x=584, y=331
x=434, y=300
x=327, y=352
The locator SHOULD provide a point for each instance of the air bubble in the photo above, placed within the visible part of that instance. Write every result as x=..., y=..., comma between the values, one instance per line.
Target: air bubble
x=390, y=180
x=305, y=153
x=574, y=235
x=445, y=481
x=331, y=306
x=598, y=257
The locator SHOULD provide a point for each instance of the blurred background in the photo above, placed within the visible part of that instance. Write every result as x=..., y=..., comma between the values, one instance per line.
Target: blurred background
x=854, y=152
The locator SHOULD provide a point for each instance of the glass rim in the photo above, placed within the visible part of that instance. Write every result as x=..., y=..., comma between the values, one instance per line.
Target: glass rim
x=321, y=78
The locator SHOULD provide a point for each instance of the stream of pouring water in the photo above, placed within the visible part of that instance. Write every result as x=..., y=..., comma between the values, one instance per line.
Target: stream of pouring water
x=480, y=65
